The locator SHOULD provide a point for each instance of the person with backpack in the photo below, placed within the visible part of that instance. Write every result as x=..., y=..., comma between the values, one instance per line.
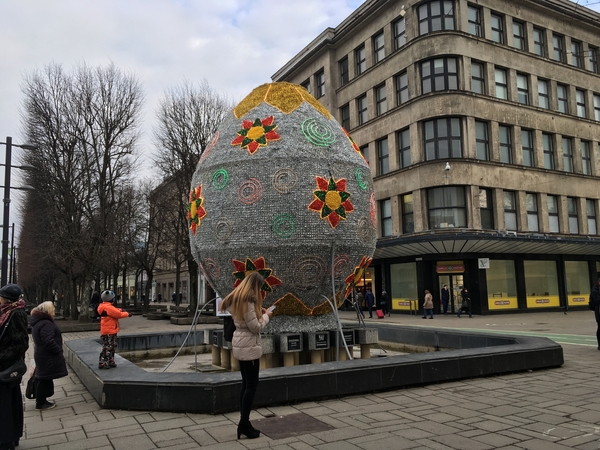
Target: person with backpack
x=595, y=302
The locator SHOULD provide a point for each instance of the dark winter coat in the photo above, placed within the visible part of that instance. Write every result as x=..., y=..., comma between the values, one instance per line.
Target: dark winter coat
x=15, y=341
x=595, y=295
x=48, y=352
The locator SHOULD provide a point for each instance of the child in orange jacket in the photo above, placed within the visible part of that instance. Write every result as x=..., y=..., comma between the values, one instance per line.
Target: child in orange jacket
x=109, y=327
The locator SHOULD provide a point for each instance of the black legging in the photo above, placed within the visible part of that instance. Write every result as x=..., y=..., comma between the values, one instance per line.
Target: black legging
x=249, y=371
x=43, y=390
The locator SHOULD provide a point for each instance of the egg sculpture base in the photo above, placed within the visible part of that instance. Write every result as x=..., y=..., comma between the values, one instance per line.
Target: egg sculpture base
x=283, y=190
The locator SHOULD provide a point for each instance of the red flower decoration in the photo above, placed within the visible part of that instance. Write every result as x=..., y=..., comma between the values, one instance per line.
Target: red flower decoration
x=256, y=134
x=354, y=146
x=196, y=211
x=243, y=269
x=353, y=279
x=332, y=200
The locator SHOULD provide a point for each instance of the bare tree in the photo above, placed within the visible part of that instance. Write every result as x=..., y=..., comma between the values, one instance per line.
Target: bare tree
x=85, y=126
x=188, y=117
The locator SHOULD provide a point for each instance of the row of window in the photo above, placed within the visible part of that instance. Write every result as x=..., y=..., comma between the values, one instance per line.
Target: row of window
x=447, y=208
x=443, y=139
x=441, y=74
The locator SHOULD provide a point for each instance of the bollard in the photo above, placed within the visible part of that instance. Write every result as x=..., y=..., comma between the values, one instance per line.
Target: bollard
x=290, y=344
x=365, y=337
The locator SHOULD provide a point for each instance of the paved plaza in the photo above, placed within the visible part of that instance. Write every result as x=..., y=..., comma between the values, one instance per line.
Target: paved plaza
x=546, y=410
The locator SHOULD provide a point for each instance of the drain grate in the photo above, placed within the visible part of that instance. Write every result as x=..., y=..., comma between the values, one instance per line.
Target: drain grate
x=281, y=427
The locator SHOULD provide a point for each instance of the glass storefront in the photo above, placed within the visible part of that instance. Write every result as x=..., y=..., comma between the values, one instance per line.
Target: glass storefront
x=578, y=282
x=501, y=285
x=541, y=284
x=404, y=285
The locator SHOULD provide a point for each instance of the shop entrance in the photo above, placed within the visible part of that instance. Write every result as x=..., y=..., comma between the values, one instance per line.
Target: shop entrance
x=455, y=284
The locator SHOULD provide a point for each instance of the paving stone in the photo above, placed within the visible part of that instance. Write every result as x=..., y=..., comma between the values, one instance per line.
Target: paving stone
x=141, y=442
x=83, y=444
x=167, y=435
x=169, y=424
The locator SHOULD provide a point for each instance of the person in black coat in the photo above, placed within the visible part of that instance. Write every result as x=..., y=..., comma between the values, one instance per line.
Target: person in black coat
x=595, y=297
x=13, y=345
x=466, y=303
x=445, y=299
x=48, y=353
x=95, y=301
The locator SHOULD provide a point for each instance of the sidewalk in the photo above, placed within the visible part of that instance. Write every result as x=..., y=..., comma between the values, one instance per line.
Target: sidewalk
x=545, y=410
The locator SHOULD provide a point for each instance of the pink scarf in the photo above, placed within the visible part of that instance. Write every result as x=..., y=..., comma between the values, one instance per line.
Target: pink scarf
x=7, y=308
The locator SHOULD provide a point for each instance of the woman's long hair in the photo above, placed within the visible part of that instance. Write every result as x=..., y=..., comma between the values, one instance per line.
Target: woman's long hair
x=248, y=291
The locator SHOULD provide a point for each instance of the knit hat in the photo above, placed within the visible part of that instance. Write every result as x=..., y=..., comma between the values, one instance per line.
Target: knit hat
x=107, y=296
x=11, y=292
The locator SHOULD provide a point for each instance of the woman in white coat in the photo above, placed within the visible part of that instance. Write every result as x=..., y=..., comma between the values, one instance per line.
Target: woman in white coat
x=244, y=304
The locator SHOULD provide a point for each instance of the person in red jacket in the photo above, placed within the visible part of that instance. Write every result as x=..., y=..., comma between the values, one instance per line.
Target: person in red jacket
x=109, y=327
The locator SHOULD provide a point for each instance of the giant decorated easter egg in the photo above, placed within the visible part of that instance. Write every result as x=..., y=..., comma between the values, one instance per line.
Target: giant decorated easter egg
x=283, y=190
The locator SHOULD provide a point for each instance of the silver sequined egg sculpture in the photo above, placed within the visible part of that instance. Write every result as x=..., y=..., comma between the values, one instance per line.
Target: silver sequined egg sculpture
x=283, y=190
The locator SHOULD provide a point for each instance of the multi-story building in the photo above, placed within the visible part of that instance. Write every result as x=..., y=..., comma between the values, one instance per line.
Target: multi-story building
x=481, y=122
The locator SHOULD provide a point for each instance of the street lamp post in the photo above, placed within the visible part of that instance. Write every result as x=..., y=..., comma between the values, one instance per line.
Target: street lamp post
x=6, y=200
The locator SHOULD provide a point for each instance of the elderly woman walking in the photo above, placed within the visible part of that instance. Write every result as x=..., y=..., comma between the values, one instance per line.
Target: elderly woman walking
x=48, y=353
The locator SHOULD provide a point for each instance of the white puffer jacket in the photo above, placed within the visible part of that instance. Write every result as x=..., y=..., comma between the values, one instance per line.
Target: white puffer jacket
x=246, y=338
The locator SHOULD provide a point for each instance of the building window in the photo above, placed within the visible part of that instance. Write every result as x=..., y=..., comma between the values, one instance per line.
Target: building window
x=320, y=82
x=576, y=54
x=505, y=141
x=539, y=42
x=510, y=210
x=519, y=40
x=380, y=99
x=443, y=138
x=548, y=151
x=527, y=145
x=385, y=217
x=562, y=97
x=586, y=159
x=306, y=85
x=475, y=27
x=501, y=84
x=361, y=107
x=541, y=279
x=383, y=156
x=485, y=209
x=572, y=212
x=558, y=42
x=378, y=47
x=553, y=214
x=497, y=28
x=522, y=89
x=344, y=72
x=567, y=146
x=436, y=15
x=364, y=151
x=580, y=98
x=345, y=116
x=593, y=52
x=399, y=33
x=408, y=220
x=447, y=207
x=403, y=139
x=590, y=208
x=360, y=60
x=532, y=212
x=401, y=82
x=439, y=74
x=482, y=140
x=597, y=107
x=477, y=77
x=543, y=94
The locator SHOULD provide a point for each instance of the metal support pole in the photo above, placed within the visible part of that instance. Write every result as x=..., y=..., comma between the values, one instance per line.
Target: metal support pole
x=5, y=218
x=12, y=254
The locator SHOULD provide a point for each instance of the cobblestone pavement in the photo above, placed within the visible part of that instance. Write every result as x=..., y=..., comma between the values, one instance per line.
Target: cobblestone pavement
x=546, y=410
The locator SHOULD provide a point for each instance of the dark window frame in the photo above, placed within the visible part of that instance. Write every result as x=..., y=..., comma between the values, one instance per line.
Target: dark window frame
x=558, y=45
x=572, y=215
x=383, y=156
x=581, y=103
x=486, y=214
x=562, y=100
x=447, y=77
x=444, y=194
x=520, y=37
x=378, y=41
x=380, y=102
x=362, y=109
x=482, y=141
x=590, y=212
x=503, y=85
x=402, y=94
x=344, y=71
x=320, y=83
x=360, y=60
x=545, y=103
x=506, y=147
x=533, y=212
x=549, y=162
x=345, y=116
x=539, y=44
x=427, y=24
x=576, y=53
x=408, y=217
x=449, y=139
x=586, y=157
x=553, y=213
x=306, y=85
x=385, y=218
x=498, y=31
x=596, y=102
x=528, y=150
x=478, y=80
x=476, y=22
x=523, y=95
x=593, y=59
x=567, y=150
x=399, y=27
x=510, y=208
x=403, y=145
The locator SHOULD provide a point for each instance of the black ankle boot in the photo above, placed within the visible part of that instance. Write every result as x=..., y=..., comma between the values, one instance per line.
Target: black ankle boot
x=247, y=430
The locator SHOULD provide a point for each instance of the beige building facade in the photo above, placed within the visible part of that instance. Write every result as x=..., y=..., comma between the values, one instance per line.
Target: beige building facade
x=481, y=124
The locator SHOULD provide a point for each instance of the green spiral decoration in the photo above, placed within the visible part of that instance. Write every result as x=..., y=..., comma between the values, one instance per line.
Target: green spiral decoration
x=360, y=178
x=318, y=133
x=219, y=179
x=284, y=225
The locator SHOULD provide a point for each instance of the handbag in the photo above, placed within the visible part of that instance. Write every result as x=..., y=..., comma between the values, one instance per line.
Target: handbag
x=17, y=369
x=465, y=304
x=30, y=391
x=228, y=328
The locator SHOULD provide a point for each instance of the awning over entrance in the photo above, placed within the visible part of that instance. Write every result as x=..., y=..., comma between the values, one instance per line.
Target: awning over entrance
x=485, y=243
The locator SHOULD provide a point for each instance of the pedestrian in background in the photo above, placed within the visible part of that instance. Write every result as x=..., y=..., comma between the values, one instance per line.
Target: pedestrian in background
x=48, y=354
x=466, y=303
x=385, y=303
x=360, y=300
x=14, y=342
x=595, y=299
x=445, y=299
x=109, y=327
x=244, y=304
x=95, y=301
x=370, y=299
x=428, y=305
